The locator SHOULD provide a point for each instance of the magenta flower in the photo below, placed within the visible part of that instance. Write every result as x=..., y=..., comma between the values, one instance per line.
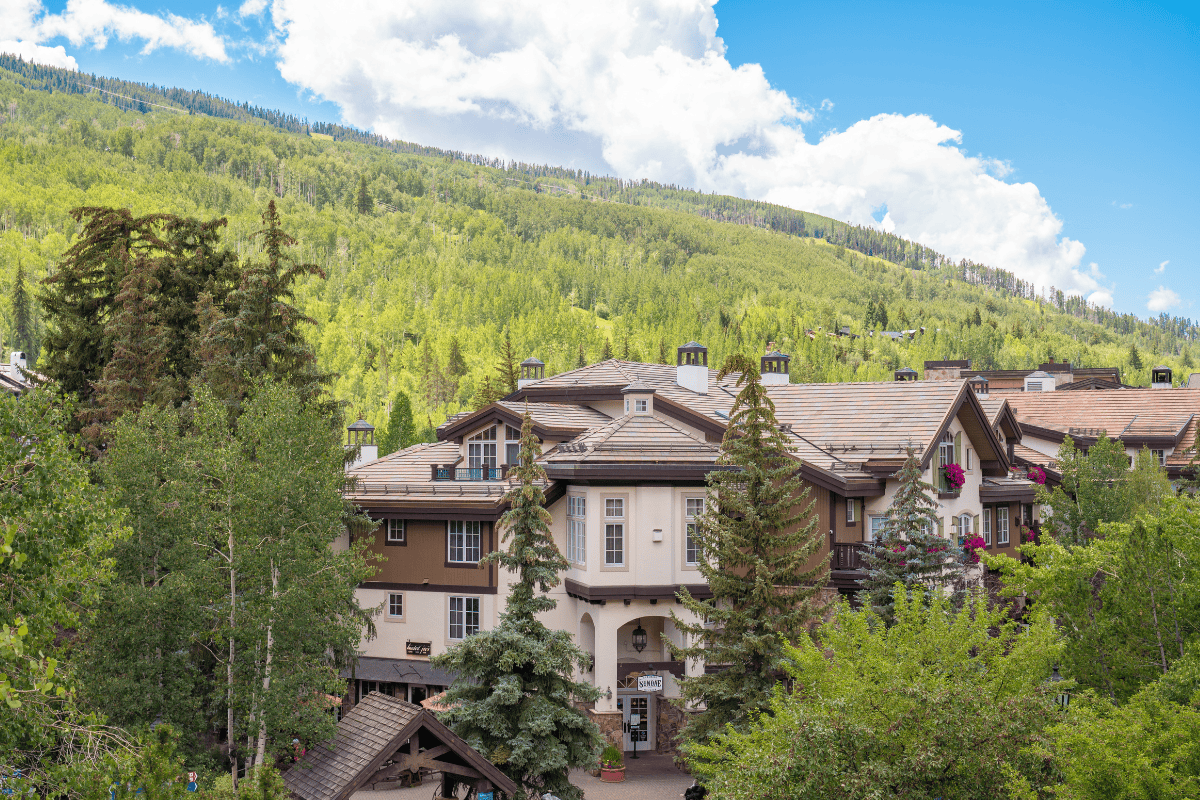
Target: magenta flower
x=1037, y=475
x=954, y=476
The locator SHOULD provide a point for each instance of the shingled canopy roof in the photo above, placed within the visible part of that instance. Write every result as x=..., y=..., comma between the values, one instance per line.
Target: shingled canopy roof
x=379, y=739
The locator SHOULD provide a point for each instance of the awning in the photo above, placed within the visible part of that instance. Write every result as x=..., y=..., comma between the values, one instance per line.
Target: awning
x=398, y=670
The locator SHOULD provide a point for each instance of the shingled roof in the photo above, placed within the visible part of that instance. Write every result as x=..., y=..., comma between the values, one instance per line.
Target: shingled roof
x=369, y=736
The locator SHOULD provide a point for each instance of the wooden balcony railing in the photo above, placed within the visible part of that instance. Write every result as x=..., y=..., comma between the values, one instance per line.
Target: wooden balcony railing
x=847, y=555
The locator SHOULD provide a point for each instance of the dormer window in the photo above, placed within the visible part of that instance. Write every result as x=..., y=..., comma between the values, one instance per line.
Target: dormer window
x=481, y=449
x=640, y=406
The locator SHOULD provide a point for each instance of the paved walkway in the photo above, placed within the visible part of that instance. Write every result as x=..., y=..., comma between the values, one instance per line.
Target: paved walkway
x=650, y=777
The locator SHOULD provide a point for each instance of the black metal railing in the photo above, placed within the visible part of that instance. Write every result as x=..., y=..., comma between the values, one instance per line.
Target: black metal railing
x=452, y=473
x=846, y=555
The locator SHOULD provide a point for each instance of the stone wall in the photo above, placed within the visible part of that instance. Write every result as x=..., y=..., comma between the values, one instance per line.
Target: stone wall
x=669, y=724
x=610, y=726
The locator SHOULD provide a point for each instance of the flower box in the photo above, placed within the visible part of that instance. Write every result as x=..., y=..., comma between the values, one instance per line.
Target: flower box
x=612, y=774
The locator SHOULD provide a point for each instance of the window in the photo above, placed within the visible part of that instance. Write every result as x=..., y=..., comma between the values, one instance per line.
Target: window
x=396, y=533
x=693, y=507
x=1002, y=525
x=640, y=406
x=1160, y=456
x=464, y=617
x=512, y=445
x=851, y=505
x=987, y=527
x=968, y=457
x=964, y=525
x=614, y=532
x=576, y=529
x=463, y=541
x=945, y=456
x=395, y=605
x=876, y=527
x=481, y=449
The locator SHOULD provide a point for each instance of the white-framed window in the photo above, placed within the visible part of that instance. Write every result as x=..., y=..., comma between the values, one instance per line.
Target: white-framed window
x=397, y=533
x=1002, y=525
x=464, y=617
x=481, y=449
x=945, y=456
x=851, y=510
x=464, y=540
x=965, y=524
x=577, y=529
x=1160, y=457
x=876, y=527
x=967, y=456
x=395, y=605
x=640, y=406
x=512, y=445
x=987, y=526
x=693, y=508
x=614, y=532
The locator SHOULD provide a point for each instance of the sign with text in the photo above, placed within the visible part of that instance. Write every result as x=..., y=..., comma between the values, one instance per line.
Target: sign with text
x=418, y=648
x=650, y=683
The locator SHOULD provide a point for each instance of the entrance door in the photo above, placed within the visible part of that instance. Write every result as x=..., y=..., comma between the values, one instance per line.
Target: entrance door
x=416, y=694
x=639, y=705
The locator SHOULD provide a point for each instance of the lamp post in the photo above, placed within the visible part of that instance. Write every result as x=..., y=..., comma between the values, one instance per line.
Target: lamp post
x=1063, y=698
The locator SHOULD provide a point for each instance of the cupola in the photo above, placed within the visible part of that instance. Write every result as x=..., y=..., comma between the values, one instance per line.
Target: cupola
x=1039, y=381
x=905, y=374
x=691, y=367
x=531, y=370
x=639, y=398
x=773, y=367
x=979, y=385
x=360, y=436
x=1160, y=378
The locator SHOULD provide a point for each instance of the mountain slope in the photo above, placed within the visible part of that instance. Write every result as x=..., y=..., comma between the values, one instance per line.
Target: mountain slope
x=458, y=252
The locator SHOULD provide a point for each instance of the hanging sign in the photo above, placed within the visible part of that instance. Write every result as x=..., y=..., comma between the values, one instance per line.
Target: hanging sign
x=650, y=683
x=418, y=648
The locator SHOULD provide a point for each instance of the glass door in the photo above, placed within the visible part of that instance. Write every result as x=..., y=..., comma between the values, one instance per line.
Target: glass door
x=637, y=722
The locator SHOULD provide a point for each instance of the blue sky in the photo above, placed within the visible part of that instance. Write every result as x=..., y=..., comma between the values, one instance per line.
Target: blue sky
x=1053, y=139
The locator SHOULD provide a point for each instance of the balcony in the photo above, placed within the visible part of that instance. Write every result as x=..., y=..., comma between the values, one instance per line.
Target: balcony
x=449, y=472
x=847, y=556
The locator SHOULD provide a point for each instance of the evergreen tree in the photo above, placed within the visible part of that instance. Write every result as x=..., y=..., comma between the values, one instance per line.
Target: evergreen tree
x=263, y=334
x=508, y=368
x=1135, y=358
x=908, y=550
x=364, y=203
x=401, y=430
x=514, y=699
x=664, y=353
x=581, y=358
x=489, y=393
x=22, y=318
x=606, y=351
x=456, y=367
x=758, y=538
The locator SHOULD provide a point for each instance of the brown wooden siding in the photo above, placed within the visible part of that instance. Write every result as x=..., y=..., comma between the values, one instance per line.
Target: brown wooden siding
x=423, y=559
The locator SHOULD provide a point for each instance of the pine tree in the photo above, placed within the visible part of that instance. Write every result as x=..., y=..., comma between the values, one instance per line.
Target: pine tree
x=456, y=367
x=581, y=358
x=401, y=430
x=508, y=369
x=606, y=351
x=908, y=550
x=489, y=393
x=758, y=538
x=262, y=336
x=364, y=203
x=22, y=321
x=664, y=354
x=514, y=699
x=1135, y=358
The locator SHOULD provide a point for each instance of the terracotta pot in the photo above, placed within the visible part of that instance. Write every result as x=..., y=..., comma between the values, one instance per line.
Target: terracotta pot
x=612, y=774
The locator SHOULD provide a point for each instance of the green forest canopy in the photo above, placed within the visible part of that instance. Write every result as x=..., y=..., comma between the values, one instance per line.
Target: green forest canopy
x=462, y=249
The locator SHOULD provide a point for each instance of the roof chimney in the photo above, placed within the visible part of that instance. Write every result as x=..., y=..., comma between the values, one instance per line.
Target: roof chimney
x=1039, y=381
x=360, y=435
x=979, y=385
x=773, y=367
x=691, y=367
x=905, y=374
x=531, y=370
x=1160, y=377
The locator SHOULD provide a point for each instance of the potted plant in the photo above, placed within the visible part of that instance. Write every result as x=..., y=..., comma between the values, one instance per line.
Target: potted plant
x=955, y=477
x=612, y=767
x=1037, y=475
x=971, y=548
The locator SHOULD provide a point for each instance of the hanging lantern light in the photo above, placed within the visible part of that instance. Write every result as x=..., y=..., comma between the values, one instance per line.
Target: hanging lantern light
x=639, y=637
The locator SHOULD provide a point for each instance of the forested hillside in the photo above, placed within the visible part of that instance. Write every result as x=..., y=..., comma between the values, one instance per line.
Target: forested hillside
x=431, y=259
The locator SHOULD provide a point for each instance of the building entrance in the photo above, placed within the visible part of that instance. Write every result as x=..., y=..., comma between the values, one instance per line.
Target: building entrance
x=637, y=722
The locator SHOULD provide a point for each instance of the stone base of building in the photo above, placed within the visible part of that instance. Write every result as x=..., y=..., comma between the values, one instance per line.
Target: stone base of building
x=609, y=723
x=669, y=725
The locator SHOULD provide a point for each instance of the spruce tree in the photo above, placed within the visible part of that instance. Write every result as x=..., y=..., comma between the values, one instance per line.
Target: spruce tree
x=606, y=351
x=908, y=550
x=401, y=430
x=364, y=203
x=514, y=698
x=508, y=368
x=22, y=318
x=581, y=358
x=1135, y=358
x=758, y=538
x=664, y=353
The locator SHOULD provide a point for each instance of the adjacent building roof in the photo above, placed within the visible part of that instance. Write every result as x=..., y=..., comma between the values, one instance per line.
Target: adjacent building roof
x=636, y=438
x=407, y=476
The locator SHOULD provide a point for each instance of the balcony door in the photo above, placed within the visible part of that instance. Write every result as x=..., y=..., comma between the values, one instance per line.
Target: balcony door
x=481, y=453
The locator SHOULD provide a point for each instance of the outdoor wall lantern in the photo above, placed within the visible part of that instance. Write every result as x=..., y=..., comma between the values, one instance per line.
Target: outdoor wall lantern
x=1063, y=698
x=608, y=694
x=639, y=637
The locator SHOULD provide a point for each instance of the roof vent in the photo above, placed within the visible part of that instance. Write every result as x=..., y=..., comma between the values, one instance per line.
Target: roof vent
x=773, y=367
x=360, y=436
x=906, y=374
x=979, y=385
x=691, y=367
x=1039, y=382
x=531, y=370
x=1160, y=378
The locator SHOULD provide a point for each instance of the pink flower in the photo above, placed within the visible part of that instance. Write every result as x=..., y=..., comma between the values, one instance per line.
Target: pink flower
x=954, y=476
x=1037, y=475
x=972, y=546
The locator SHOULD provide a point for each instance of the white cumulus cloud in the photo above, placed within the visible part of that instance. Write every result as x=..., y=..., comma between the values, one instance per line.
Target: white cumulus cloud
x=39, y=54
x=1162, y=299
x=1161, y=268
x=95, y=22
x=642, y=88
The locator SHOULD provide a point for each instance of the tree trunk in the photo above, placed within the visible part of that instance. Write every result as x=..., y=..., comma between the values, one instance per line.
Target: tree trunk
x=266, y=684
x=229, y=667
